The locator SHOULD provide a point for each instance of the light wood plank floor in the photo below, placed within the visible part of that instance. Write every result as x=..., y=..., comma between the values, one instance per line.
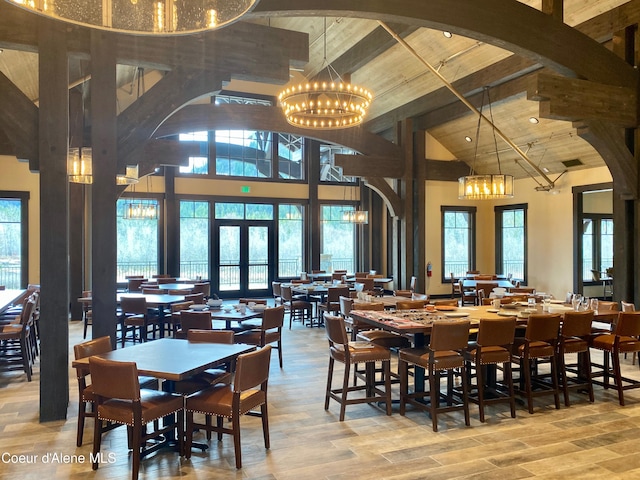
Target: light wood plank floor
x=598, y=440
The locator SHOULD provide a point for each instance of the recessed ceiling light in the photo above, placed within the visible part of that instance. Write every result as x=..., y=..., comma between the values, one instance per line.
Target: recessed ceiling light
x=534, y=120
x=447, y=34
x=545, y=169
x=468, y=139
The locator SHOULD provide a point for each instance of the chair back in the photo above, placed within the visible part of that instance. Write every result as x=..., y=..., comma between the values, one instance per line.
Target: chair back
x=272, y=318
x=197, y=320
x=626, y=306
x=334, y=294
x=596, y=276
x=161, y=275
x=336, y=331
x=277, y=289
x=530, y=290
x=336, y=276
x=163, y=280
x=453, y=302
x=177, y=307
x=449, y=336
x=154, y=291
x=403, y=293
x=543, y=327
x=181, y=292
x=133, y=305
x=577, y=324
x=608, y=306
x=496, y=332
x=111, y=379
x=628, y=324
x=252, y=370
x=97, y=346
x=484, y=277
x=197, y=298
x=211, y=336
x=361, y=274
x=204, y=288
x=257, y=301
x=133, y=284
x=375, y=306
x=346, y=305
x=486, y=287
x=286, y=293
x=410, y=304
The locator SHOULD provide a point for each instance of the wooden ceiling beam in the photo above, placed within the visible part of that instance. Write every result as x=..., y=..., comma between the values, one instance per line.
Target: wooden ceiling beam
x=19, y=122
x=391, y=199
x=571, y=99
x=369, y=166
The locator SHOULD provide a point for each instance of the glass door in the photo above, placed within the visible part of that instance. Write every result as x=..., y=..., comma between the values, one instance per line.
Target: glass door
x=244, y=258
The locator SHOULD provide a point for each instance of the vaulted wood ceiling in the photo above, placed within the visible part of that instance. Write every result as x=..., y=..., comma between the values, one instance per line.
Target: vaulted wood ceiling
x=403, y=86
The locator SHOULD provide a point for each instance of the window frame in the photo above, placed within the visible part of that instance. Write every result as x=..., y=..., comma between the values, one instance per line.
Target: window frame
x=499, y=211
x=23, y=197
x=472, y=211
x=596, y=246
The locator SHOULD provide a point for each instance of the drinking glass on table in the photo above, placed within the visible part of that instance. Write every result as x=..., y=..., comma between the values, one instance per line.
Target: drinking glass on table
x=586, y=303
x=594, y=304
x=576, y=298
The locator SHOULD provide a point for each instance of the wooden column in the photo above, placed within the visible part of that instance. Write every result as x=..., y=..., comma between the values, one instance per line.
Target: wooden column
x=76, y=248
x=420, y=225
x=312, y=150
x=407, y=222
x=54, y=222
x=103, y=207
x=172, y=220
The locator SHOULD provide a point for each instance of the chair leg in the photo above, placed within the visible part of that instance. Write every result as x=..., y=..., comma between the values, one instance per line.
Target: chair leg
x=434, y=393
x=480, y=382
x=387, y=383
x=403, y=372
x=81, y=416
x=137, y=441
x=189, y=435
x=508, y=377
x=279, y=347
x=526, y=370
x=345, y=388
x=329, y=379
x=618, y=375
x=97, y=440
x=265, y=424
x=235, y=421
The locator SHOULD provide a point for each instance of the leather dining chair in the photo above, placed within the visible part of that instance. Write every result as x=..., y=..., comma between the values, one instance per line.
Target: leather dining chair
x=352, y=354
x=410, y=304
x=270, y=331
x=119, y=399
x=248, y=392
x=200, y=320
x=136, y=317
x=86, y=397
x=539, y=342
x=575, y=335
x=492, y=347
x=332, y=303
x=445, y=353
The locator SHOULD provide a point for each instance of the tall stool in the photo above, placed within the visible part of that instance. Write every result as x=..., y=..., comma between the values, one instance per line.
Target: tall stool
x=574, y=338
x=444, y=353
x=493, y=347
x=353, y=353
x=540, y=342
x=624, y=339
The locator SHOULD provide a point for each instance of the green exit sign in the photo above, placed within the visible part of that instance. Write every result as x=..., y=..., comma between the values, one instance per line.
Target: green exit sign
x=245, y=189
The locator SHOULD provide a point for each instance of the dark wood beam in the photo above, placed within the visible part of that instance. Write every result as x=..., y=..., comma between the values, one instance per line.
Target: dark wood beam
x=369, y=166
x=608, y=140
x=19, y=122
x=210, y=117
x=448, y=171
x=555, y=8
x=572, y=99
x=388, y=194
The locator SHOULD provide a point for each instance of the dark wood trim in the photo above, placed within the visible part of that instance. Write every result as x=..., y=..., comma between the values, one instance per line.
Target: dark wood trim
x=172, y=219
x=313, y=244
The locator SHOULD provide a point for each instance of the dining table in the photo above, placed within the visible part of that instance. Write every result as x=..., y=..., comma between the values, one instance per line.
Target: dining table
x=229, y=316
x=173, y=360
x=170, y=286
x=9, y=298
x=472, y=283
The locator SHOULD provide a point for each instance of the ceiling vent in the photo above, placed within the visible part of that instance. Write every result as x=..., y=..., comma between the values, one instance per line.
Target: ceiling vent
x=572, y=163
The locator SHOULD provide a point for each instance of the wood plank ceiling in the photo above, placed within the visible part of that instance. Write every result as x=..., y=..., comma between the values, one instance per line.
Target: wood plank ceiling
x=404, y=87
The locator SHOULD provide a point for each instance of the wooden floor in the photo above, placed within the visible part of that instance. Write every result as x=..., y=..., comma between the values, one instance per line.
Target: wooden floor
x=599, y=440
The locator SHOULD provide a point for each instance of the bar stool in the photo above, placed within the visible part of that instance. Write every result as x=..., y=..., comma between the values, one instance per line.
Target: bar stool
x=540, y=342
x=444, y=353
x=353, y=353
x=624, y=339
x=574, y=338
x=493, y=346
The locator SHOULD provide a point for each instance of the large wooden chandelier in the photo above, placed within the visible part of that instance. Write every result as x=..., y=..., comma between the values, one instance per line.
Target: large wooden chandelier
x=159, y=17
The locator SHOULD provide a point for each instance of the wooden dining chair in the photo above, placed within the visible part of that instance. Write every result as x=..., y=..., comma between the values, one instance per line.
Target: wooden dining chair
x=247, y=393
x=575, y=336
x=332, y=303
x=193, y=320
x=87, y=313
x=137, y=318
x=269, y=332
x=410, y=304
x=120, y=400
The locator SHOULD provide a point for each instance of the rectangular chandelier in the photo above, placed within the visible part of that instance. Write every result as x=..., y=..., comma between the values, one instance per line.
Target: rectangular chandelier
x=485, y=187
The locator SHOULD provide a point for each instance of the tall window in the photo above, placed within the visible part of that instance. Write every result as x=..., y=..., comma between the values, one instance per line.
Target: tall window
x=597, y=245
x=198, y=165
x=290, y=240
x=290, y=156
x=511, y=241
x=458, y=241
x=13, y=239
x=137, y=241
x=338, y=238
x=194, y=239
x=243, y=153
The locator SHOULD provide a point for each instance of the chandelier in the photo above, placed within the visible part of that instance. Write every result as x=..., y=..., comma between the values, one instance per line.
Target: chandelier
x=325, y=105
x=141, y=210
x=489, y=186
x=159, y=17
x=130, y=177
x=80, y=165
x=360, y=217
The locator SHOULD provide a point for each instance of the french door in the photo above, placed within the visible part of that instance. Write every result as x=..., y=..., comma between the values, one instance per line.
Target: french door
x=243, y=255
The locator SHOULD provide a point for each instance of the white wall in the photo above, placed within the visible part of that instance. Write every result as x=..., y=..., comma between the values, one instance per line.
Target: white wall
x=549, y=227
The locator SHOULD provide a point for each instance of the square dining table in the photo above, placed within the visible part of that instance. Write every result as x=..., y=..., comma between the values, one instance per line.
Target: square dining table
x=161, y=301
